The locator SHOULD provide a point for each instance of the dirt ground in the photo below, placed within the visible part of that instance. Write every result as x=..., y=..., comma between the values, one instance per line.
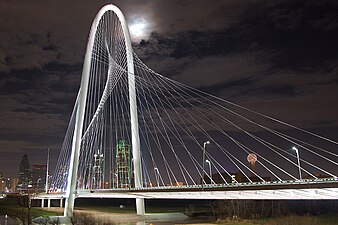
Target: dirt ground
x=127, y=217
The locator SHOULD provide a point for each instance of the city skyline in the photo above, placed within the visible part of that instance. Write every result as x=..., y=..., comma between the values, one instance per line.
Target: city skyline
x=278, y=58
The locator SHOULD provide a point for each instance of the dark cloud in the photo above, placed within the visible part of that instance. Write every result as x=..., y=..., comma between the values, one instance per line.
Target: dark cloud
x=198, y=15
x=269, y=54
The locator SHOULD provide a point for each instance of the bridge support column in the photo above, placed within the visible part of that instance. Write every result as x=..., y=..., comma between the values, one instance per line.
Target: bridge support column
x=140, y=208
x=48, y=203
x=135, y=137
x=42, y=203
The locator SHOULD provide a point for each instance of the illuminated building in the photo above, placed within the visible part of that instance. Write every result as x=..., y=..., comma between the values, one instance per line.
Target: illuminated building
x=2, y=184
x=25, y=177
x=98, y=170
x=39, y=177
x=123, y=174
x=13, y=184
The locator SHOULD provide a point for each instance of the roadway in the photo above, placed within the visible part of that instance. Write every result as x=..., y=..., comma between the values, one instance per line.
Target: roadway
x=275, y=190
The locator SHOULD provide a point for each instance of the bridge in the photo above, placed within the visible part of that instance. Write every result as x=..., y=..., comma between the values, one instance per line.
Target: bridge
x=135, y=133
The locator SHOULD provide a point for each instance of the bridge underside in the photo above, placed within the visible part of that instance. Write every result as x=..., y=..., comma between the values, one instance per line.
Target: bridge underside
x=328, y=193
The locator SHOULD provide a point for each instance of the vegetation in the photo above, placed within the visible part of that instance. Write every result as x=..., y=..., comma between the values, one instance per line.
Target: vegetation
x=235, y=212
x=229, y=212
x=325, y=219
x=18, y=208
x=259, y=209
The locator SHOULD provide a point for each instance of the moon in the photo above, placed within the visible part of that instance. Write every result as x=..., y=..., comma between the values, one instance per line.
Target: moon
x=138, y=29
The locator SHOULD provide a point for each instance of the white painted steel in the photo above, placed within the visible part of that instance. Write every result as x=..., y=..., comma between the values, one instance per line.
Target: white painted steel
x=272, y=194
x=76, y=144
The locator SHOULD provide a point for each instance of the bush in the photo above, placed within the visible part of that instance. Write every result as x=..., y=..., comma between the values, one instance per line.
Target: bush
x=295, y=220
x=88, y=219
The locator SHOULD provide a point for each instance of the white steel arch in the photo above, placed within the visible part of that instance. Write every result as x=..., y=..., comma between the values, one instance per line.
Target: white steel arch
x=81, y=106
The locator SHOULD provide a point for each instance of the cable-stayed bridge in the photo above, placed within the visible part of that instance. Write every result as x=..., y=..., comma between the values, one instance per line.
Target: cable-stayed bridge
x=137, y=134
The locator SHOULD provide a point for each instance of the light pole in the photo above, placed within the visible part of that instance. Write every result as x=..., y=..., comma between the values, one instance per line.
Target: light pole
x=117, y=179
x=157, y=176
x=111, y=178
x=297, y=153
x=209, y=163
x=38, y=184
x=203, y=160
x=47, y=175
x=29, y=221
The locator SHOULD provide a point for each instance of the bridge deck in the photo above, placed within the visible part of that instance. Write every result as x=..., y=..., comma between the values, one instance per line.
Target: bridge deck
x=305, y=189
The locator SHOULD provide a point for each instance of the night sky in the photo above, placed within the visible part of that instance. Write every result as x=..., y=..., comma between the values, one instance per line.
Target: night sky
x=279, y=58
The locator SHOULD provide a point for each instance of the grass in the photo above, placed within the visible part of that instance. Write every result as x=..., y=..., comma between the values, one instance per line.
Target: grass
x=329, y=218
x=12, y=208
x=292, y=220
x=36, y=212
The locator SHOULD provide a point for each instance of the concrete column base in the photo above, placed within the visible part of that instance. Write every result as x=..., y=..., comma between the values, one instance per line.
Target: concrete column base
x=140, y=208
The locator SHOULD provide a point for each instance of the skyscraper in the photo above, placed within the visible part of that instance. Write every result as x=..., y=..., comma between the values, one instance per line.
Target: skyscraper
x=39, y=176
x=98, y=170
x=2, y=184
x=123, y=175
x=24, y=173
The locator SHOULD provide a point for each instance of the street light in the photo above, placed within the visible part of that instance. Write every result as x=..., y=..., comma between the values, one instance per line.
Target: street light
x=116, y=179
x=203, y=160
x=297, y=153
x=38, y=184
x=29, y=221
x=157, y=176
x=47, y=175
x=207, y=161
